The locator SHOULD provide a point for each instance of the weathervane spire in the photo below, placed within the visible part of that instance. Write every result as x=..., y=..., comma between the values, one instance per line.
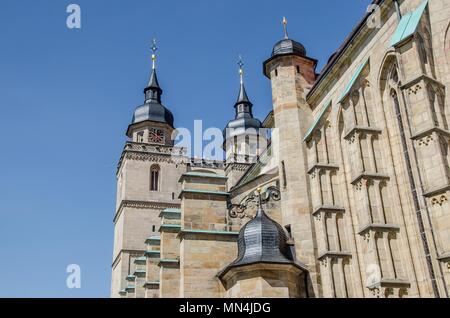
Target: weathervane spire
x=154, y=49
x=241, y=70
x=285, y=28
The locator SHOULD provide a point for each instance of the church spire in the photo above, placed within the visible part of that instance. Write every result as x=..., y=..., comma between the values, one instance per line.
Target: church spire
x=242, y=97
x=153, y=92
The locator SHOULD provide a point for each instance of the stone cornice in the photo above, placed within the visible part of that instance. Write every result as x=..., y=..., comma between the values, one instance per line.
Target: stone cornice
x=369, y=176
x=323, y=166
x=429, y=131
x=144, y=205
x=412, y=81
x=377, y=228
x=328, y=208
x=163, y=153
x=436, y=191
x=148, y=152
x=118, y=256
x=361, y=130
x=333, y=255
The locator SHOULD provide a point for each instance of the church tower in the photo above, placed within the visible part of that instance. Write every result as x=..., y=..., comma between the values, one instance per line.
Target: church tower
x=244, y=136
x=147, y=183
x=292, y=74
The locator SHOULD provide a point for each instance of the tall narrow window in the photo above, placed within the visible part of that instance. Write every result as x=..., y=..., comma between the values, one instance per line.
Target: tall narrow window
x=154, y=178
x=140, y=137
x=283, y=173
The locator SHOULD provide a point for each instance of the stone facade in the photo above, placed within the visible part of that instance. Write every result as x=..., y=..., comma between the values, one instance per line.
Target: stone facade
x=360, y=154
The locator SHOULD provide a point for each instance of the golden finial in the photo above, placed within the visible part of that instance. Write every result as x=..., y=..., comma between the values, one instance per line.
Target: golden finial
x=154, y=49
x=285, y=28
x=258, y=190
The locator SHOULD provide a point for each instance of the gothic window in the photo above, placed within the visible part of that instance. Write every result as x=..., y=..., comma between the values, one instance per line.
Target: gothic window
x=154, y=178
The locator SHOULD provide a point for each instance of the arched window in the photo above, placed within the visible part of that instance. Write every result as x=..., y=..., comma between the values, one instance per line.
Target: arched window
x=140, y=137
x=154, y=178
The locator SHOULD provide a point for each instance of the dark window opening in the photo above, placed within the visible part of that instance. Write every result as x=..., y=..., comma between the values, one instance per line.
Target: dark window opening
x=283, y=171
x=154, y=178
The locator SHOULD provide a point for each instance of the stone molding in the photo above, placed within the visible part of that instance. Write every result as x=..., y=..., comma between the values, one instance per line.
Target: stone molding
x=327, y=209
x=322, y=166
x=143, y=205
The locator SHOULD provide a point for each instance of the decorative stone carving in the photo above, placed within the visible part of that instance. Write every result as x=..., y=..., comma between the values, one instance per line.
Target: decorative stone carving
x=376, y=292
x=318, y=216
x=392, y=235
x=367, y=236
x=425, y=141
x=388, y=291
x=439, y=200
x=402, y=292
x=414, y=89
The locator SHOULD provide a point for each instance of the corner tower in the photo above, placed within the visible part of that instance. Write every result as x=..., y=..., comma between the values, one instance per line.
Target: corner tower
x=147, y=183
x=292, y=74
x=244, y=136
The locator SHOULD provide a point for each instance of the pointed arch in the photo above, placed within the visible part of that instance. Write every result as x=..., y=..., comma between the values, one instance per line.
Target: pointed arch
x=447, y=46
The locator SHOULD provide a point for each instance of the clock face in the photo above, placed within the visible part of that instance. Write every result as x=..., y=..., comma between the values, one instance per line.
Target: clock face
x=156, y=136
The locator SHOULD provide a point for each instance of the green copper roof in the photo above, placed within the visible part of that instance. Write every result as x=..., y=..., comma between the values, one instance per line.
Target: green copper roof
x=214, y=232
x=169, y=260
x=153, y=239
x=353, y=80
x=139, y=272
x=141, y=260
x=316, y=122
x=152, y=252
x=408, y=24
x=173, y=227
x=204, y=175
x=204, y=192
x=130, y=288
x=171, y=213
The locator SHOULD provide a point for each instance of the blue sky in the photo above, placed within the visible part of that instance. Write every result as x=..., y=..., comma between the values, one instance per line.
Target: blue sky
x=67, y=96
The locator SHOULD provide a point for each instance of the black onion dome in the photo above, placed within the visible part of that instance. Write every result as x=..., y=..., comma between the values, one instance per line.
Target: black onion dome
x=152, y=109
x=285, y=47
x=262, y=240
x=288, y=46
x=244, y=117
